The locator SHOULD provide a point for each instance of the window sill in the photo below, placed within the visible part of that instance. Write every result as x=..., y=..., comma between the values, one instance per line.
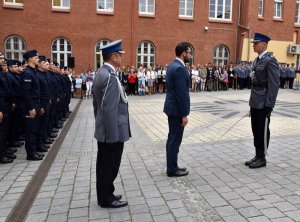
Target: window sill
x=66, y=10
x=186, y=18
x=277, y=19
x=13, y=6
x=297, y=25
x=147, y=15
x=261, y=18
x=104, y=13
x=220, y=21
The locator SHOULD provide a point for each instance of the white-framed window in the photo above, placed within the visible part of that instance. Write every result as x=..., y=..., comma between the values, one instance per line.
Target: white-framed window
x=14, y=2
x=297, y=17
x=105, y=5
x=221, y=55
x=278, y=9
x=15, y=47
x=146, y=54
x=61, y=50
x=98, y=52
x=191, y=62
x=147, y=7
x=260, y=8
x=220, y=9
x=186, y=8
x=61, y=4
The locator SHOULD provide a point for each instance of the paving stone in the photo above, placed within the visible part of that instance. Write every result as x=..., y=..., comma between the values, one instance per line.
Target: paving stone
x=226, y=211
x=272, y=213
x=249, y=212
x=285, y=206
x=145, y=217
x=259, y=219
x=295, y=215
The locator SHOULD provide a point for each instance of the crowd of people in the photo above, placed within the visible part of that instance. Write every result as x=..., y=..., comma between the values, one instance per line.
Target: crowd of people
x=34, y=103
x=147, y=81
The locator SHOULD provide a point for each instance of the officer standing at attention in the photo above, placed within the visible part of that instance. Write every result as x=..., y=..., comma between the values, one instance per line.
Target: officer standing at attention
x=177, y=107
x=112, y=127
x=31, y=106
x=5, y=108
x=265, y=85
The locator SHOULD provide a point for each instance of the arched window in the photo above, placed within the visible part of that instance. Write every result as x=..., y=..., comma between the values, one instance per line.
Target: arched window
x=98, y=53
x=221, y=55
x=61, y=51
x=15, y=47
x=146, y=54
x=192, y=55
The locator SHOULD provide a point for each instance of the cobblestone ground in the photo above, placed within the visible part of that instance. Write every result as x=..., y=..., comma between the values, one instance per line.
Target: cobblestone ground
x=216, y=143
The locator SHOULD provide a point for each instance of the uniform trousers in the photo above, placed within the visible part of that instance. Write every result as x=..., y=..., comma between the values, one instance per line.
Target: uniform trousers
x=32, y=132
x=260, y=122
x=173, y=142
x=4, y=126
x=44, y=119
x=107, y=167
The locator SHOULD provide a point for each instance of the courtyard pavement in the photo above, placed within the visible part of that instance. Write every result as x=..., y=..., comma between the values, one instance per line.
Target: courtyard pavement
x=217, y=141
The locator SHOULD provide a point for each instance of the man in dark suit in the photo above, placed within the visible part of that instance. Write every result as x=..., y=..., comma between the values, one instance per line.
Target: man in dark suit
x=112, y=125
x=265, y=85
x=177, y=106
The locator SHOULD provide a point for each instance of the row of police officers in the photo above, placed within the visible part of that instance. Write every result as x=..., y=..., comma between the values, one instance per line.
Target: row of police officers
x=34, y=103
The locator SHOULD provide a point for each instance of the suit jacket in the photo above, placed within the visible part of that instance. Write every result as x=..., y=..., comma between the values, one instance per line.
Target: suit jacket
x=177, y=101
x=111, y=114
x=265, y=82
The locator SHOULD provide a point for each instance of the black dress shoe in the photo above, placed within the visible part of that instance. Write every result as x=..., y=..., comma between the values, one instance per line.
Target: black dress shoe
x=35, y=156
x=5, y=160
x=10, y=152
x=12, y=149
x=177, y=173
x=48, y=141
x=247, y=163
x=10, y=156
x=181, y=168
x=115, y=204
x=59, y=126
x=41, y=149
x=258, y=163
x=117, y=197
x=15, y=144
x=54, y=130
x=21, y=143
x=52, y=135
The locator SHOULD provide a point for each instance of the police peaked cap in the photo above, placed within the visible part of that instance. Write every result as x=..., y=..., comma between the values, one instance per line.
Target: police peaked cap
x=258, y=37
x=42, y=58
x=12, y=62
x=112, y=47
x=30, y=54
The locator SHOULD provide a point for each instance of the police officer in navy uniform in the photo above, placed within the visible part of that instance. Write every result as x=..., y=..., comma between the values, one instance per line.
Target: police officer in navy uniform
x=5, y=107
x=31, y=106
x=265, y=85
x=45, y=100
x=111, y=126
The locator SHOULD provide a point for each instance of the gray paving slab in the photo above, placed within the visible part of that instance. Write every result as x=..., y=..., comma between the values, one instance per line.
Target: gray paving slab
x=216, y=143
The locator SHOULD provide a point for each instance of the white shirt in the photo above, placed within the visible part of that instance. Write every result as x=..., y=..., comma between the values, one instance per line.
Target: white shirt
x=261, y=55
x=180, y=61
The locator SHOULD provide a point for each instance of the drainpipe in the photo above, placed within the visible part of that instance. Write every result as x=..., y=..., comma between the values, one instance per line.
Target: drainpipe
x=244, y=27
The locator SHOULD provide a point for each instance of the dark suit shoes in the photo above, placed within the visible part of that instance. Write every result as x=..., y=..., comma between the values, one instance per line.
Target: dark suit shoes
x=181, y=168
x=5, y=160
x=35, y=157
x=178, y=173
x=114, y=204
x=118, y=197
x=258, y=163
x=247, y=163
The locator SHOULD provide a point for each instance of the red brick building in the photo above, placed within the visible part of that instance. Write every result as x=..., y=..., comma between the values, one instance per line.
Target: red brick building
x=218, y=30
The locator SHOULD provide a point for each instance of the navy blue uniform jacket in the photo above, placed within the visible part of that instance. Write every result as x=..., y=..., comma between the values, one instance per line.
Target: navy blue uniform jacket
x=177, y=101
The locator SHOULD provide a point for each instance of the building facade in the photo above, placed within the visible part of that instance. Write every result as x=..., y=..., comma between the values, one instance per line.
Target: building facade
x=219, y=31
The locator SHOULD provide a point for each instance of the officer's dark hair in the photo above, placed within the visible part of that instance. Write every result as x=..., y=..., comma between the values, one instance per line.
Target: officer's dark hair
x=181, y=47
x=106, y=57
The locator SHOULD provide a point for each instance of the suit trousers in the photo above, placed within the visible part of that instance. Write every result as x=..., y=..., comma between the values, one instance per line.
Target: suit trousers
x=107, y=167
x=260, y=128
x=173, y=142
